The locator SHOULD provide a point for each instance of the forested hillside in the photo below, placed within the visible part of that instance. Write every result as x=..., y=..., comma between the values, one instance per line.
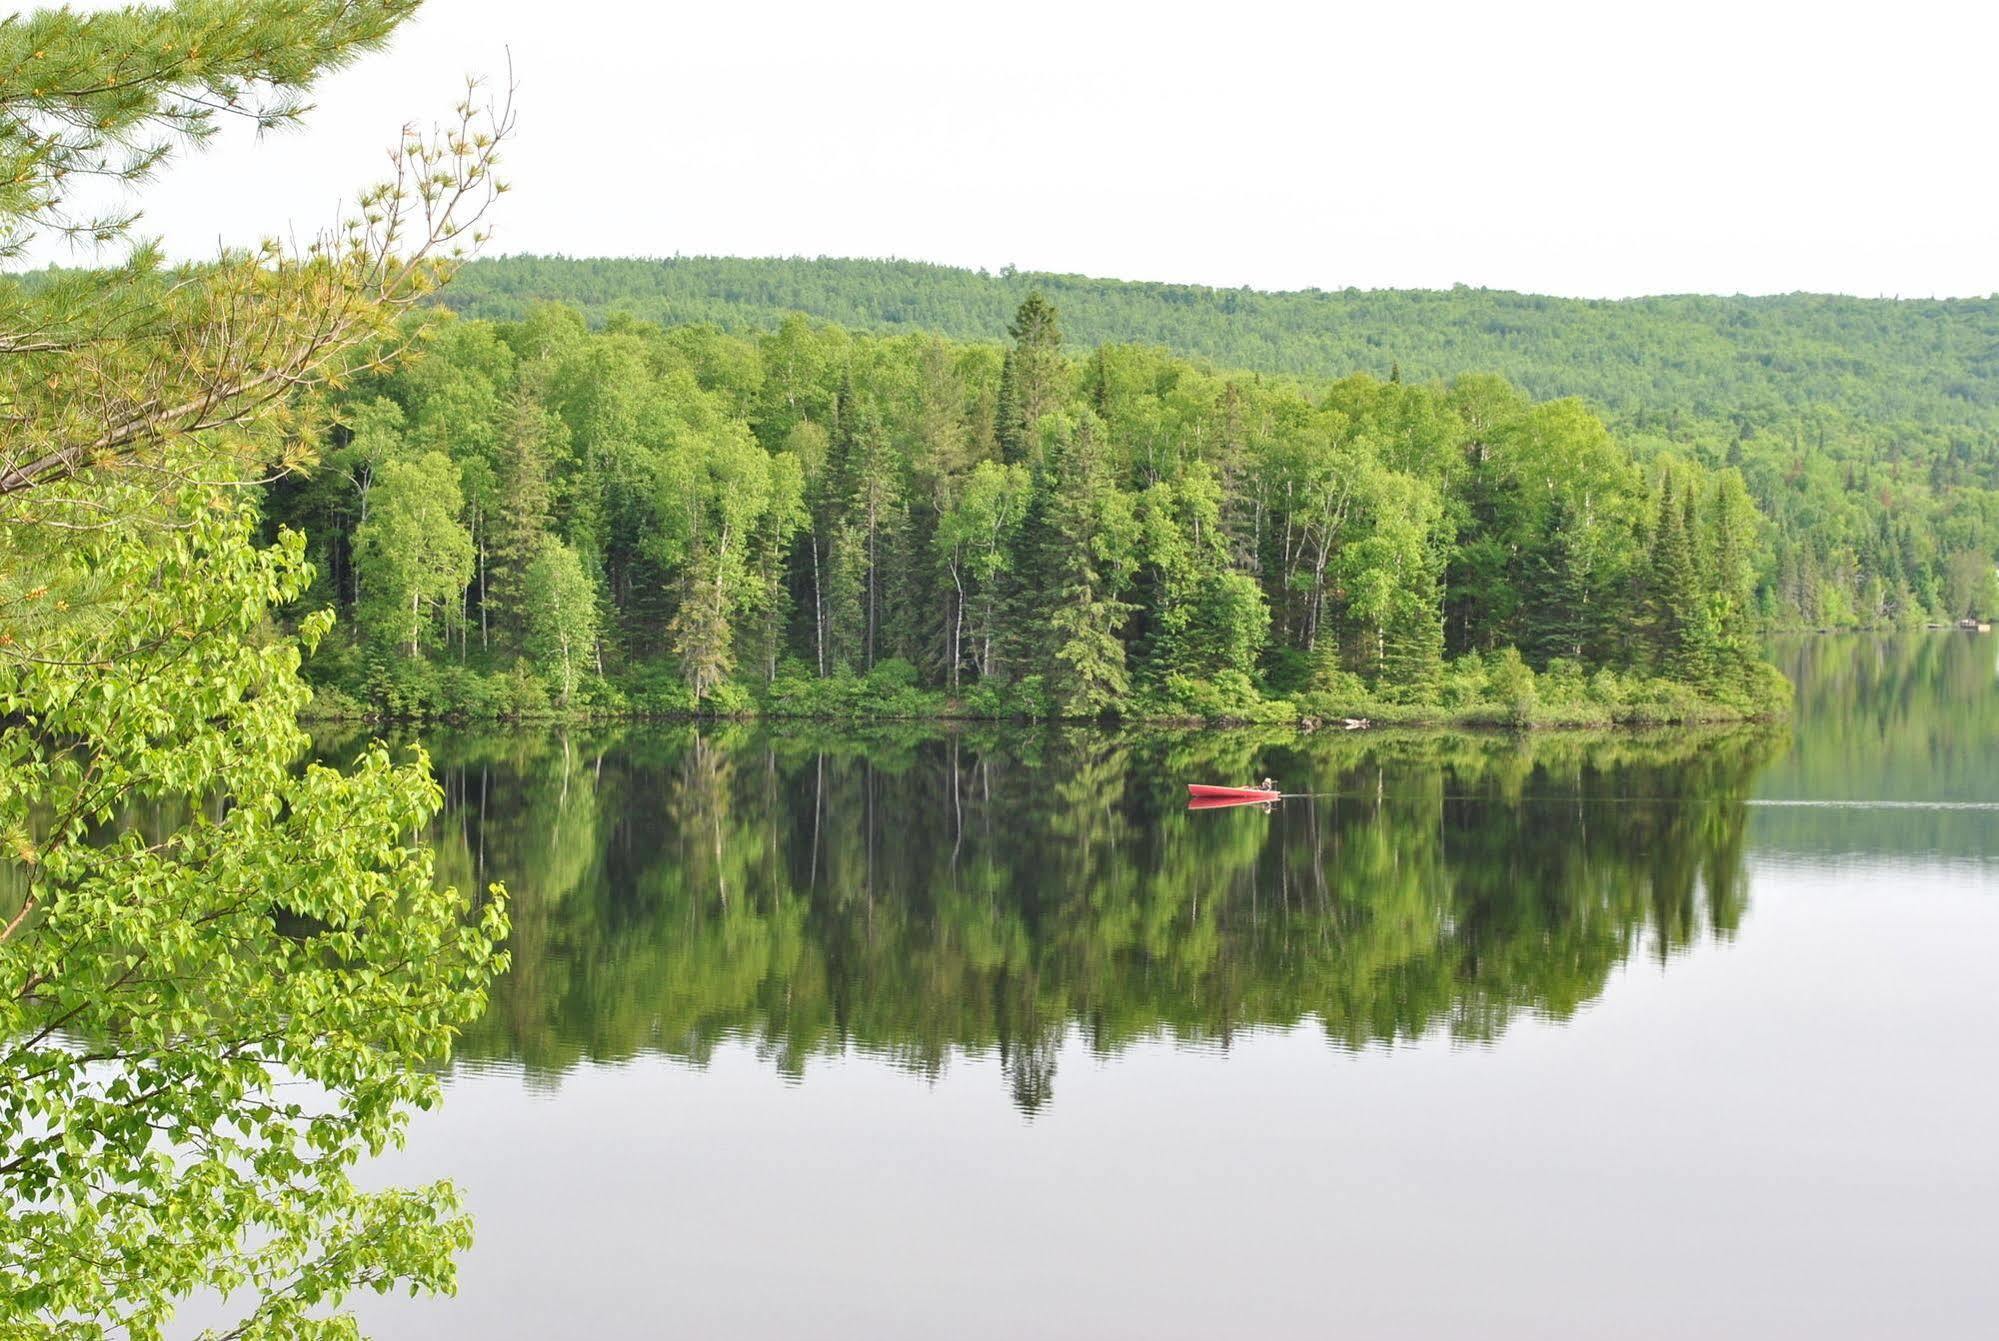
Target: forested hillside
x=1926, y=362
x=1866, y=429
x=535, y=514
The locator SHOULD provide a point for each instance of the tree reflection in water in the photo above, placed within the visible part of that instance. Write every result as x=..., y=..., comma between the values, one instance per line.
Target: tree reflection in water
x=911, y=892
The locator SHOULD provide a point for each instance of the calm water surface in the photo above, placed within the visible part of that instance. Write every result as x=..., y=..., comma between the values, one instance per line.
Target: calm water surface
x=980, y=1033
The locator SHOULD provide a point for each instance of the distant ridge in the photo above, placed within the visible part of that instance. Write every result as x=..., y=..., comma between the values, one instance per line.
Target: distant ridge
x=1915, y=362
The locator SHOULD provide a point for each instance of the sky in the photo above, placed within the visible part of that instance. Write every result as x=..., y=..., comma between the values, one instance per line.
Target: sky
x=1593, y=150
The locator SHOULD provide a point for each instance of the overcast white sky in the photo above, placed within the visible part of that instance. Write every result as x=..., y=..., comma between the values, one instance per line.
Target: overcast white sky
x=1599, y=149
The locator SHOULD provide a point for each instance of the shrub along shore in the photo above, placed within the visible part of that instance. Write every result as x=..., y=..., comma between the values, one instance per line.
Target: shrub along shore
x=1500, y=690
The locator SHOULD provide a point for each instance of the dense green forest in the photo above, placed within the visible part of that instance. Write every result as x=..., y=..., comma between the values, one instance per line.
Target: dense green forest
x=1867, y=430
x=537, y=515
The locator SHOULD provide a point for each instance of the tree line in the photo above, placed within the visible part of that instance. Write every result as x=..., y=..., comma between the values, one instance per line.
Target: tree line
x=541, y=514
x=1867, y=430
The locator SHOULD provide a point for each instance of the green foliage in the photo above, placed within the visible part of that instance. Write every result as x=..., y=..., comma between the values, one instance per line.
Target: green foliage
x=1883, y=361
x=89, y=95
x=657, y=690
x=1865, y=430
x=523, y=510
x=1144, y=536
x=226, y=976
x=888, y=691
x=1086, y=555
x=560, y=609
x=412, y=556
x=198, y=922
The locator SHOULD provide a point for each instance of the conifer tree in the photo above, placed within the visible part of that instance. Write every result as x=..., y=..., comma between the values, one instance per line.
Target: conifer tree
x=1039, y=375
x=1088, y=551
x=1007, y=434
x=525, y=512
x=866, y=524
x=1673, y=590
x=1562, y=611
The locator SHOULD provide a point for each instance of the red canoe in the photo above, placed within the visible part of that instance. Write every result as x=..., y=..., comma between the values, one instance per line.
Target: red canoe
x=1201, y=792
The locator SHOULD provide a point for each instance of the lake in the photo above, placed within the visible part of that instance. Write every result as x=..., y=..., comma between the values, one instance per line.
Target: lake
x=979, y=1032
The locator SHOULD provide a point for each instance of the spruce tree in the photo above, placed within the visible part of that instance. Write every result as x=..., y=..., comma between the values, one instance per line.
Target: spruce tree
x=524, y=516
x=1674, y=595
x=1006, y=415
x=1089, y=550
x=1412, y=662
x=1039, y=375
x=1560, y=612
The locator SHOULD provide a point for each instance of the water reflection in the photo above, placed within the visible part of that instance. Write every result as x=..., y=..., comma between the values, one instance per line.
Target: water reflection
x=911, y=893
x=1903, y=731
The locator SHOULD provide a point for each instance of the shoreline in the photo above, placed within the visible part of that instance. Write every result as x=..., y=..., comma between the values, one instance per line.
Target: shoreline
x=1482, y=718
x=1498, y=692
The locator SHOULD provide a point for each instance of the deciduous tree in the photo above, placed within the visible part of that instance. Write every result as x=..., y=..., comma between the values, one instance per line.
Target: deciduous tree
x=221, y=974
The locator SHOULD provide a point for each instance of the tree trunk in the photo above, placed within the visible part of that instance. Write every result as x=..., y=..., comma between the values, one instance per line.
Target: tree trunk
x=986, y=660
x=818, y=607
x=871, y=584
x=484, y=644
x=957, y=627
x=721, y=602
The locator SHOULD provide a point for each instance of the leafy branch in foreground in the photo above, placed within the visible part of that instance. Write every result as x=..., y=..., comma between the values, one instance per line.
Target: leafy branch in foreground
x=219, y=971
x=222, y=974
x=101, y=368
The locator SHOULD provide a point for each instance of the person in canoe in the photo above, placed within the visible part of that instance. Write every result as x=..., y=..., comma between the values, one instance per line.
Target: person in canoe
x=1268, y=785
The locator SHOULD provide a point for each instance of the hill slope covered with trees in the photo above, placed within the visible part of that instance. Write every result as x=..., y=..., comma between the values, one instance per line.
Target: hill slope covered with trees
x=1930, y=363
